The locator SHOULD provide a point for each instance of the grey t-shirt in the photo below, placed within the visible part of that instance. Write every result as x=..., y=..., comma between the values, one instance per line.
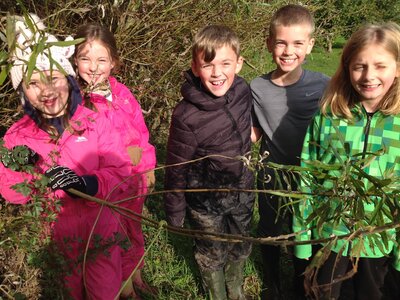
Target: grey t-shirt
x=284, y=113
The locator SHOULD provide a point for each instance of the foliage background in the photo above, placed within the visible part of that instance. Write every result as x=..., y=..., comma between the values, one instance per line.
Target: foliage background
x=154, y=39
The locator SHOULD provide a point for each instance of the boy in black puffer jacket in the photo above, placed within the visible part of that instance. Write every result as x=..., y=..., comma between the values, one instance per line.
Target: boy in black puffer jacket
x=213, y=119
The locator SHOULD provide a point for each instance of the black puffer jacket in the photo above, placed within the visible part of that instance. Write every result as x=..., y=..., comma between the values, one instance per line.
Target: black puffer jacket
x=203, y=125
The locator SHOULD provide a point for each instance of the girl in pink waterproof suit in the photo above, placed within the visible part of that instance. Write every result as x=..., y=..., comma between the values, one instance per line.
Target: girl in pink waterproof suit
x=95, y=59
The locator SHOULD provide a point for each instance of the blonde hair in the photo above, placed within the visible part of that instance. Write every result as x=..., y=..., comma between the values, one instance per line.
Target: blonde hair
x=213, y=37
x=340, y=95
x=290, y=15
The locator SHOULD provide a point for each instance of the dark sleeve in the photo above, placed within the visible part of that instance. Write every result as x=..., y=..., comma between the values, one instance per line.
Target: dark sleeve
x=181, y=147
x=254, y=119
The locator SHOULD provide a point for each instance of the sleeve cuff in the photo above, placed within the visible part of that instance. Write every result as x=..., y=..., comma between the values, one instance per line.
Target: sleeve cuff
x=92, y=185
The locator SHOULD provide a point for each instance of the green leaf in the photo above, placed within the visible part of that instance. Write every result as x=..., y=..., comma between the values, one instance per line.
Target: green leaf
x=10, y=32
x=3, y=74
x=22, y=188
x=31, y=65
x=29, y=22
x=65, y=43
x=3, y=57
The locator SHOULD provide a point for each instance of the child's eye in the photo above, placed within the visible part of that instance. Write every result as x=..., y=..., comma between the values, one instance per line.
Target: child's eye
x=206, y=66
x=358, y=68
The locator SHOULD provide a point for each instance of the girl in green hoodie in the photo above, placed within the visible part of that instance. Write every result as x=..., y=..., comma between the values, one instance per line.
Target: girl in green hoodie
x=356, y=130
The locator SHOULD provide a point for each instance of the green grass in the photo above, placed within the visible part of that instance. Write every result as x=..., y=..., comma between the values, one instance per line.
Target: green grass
x=321, y=61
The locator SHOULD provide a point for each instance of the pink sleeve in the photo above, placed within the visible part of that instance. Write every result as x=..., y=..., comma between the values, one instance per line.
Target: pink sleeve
x=9, y=178
x=148, y=160
x=114, y=174
x=138, y=127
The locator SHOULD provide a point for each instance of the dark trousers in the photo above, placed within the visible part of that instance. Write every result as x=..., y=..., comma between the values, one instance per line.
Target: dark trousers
x=274, y=221
x=367, y=283
x=392, y=284
x=235, y=218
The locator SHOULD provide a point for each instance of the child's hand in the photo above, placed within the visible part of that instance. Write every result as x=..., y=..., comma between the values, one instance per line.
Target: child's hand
x=150, y=181
x=63, y=178
x=135, y=154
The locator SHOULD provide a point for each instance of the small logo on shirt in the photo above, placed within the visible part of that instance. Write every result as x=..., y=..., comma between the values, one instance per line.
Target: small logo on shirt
x=311, y=93
x=80, y=139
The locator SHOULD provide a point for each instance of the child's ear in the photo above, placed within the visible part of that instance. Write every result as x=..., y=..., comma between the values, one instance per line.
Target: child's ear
x=310, y=45
x=239, y=64
x=194, y=68
x=270, y=44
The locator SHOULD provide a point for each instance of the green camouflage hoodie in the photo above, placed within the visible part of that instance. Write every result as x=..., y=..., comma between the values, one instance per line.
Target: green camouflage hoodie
x=336, y=142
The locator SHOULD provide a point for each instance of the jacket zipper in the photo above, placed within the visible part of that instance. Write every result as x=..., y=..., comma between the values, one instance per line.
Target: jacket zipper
x=234, y=124
x=366, y=133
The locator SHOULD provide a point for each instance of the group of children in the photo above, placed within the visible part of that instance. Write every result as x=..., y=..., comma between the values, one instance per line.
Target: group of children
x=86, y=131
x=300, y=116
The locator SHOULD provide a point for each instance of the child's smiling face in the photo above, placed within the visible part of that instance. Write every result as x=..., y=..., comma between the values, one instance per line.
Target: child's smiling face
x=289, y=46
x=372, y=73
x=47, y=91
x=94, y=62
x=217, y=75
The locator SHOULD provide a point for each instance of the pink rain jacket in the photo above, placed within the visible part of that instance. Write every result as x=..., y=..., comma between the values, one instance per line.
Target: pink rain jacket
x=92, y=150
x=125, y=113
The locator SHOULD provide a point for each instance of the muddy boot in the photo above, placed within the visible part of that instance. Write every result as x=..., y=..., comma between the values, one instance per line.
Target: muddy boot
x=234, y=279
x=215, y=284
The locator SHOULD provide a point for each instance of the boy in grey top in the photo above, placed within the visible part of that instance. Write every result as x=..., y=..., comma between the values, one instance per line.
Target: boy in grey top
x=283, y=113
x=284, y=101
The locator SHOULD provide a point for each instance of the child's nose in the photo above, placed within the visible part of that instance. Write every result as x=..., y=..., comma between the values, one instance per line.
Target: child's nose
x=216, y=71
x=289, y=49
x=46, y=89
x=93, y=67
x=369, y=73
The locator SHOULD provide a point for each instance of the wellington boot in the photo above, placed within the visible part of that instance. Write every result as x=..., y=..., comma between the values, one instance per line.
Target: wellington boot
x=215, y=284
x=234, y=279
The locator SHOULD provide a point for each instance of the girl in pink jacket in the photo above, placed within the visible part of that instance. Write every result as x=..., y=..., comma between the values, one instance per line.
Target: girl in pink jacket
x=95, y=59
x=75, y=148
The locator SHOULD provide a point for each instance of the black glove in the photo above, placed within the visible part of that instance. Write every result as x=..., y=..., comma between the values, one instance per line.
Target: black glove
x=18, y=157
x=63, y=178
